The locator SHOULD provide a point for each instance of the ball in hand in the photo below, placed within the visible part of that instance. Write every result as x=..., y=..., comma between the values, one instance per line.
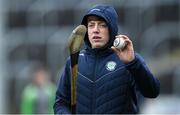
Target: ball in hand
x=119, y=43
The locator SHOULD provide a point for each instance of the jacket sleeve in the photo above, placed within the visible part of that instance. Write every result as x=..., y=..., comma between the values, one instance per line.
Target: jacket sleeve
x=148, y=85
x=62, y=100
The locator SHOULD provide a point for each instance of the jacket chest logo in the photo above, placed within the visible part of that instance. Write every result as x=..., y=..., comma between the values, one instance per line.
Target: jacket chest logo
x=111, y=65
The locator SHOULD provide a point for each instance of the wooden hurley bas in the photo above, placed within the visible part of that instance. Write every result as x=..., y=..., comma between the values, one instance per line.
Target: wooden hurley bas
x=76, y=40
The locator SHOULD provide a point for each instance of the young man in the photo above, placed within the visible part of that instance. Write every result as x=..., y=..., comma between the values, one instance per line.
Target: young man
x=108, y=78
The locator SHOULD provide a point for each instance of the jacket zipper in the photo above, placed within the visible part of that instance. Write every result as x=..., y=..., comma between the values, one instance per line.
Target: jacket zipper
x=94, y=87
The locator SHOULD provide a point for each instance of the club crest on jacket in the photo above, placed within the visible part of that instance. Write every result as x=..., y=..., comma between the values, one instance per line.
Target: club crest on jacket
x=111, y=65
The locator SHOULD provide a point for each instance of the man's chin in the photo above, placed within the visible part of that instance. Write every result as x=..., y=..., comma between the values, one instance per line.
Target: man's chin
x=98, y=46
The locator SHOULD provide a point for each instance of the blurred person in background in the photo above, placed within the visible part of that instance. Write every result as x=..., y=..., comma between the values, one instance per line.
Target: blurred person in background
x=108, y=78
x=38, y=96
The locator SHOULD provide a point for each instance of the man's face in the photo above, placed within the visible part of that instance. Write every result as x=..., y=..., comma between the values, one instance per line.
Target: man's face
x=98, y=32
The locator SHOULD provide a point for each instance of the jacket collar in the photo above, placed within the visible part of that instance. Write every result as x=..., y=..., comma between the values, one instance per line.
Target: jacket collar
x=99, y=52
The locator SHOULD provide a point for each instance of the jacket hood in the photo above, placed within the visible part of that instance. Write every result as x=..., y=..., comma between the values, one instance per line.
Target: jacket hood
x=109, y=14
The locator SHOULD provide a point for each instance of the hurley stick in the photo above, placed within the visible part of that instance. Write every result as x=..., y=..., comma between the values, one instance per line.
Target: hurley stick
x=76, y=40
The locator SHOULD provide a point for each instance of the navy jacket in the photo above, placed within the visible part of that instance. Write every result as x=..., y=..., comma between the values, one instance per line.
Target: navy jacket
x=105, y=84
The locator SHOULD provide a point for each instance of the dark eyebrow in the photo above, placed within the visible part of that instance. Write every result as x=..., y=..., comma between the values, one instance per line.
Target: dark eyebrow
x=90, y=22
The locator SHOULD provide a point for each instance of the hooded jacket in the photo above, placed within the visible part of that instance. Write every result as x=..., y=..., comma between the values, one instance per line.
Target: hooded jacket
x=104, y=83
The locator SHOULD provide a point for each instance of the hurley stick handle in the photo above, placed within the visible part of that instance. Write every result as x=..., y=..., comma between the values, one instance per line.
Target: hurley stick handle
x=75, y=42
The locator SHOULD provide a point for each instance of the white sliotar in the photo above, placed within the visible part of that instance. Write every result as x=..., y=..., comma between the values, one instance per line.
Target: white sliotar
x=119, y=43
